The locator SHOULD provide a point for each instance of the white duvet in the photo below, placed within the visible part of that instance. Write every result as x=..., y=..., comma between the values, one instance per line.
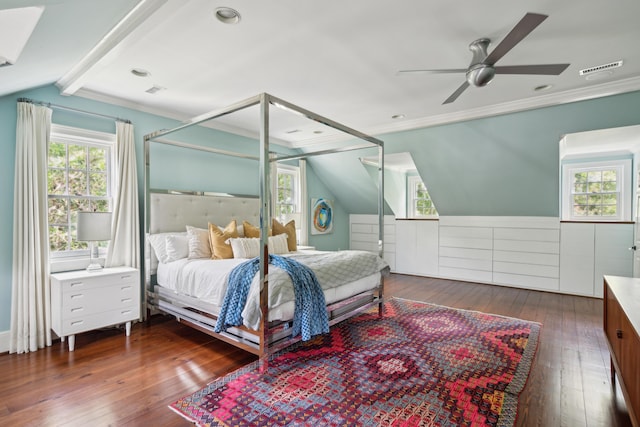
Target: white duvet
x=206, y=280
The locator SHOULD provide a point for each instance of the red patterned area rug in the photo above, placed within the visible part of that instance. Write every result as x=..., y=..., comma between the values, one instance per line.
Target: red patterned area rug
x=419, y=365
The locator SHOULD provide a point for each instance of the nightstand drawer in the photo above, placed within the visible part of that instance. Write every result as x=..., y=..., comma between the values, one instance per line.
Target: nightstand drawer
x=88, y=322
x=89, y=301
x=89, y=282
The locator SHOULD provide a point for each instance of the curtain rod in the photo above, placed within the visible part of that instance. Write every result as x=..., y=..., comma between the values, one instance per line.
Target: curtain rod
x=73, y=110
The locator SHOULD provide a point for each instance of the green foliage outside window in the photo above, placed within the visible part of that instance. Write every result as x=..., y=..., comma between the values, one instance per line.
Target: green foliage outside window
x=595, y=193
x=285, y=203
x=423, y=205
x=78, y=177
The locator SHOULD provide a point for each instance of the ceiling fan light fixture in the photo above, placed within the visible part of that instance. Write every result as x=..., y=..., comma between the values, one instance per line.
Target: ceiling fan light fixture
x=226, y=15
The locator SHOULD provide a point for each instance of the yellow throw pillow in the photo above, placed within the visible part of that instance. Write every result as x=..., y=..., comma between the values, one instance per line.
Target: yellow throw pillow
x=289, y=229
x=251, y=230
x=220, y=249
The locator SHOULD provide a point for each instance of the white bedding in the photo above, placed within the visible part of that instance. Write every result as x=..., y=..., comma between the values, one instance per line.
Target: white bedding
x=206, y=280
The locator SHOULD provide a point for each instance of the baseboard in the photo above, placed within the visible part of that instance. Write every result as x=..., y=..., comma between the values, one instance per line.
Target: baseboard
x=4, y=341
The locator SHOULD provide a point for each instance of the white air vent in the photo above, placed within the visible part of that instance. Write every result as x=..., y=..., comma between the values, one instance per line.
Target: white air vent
x=600, y=68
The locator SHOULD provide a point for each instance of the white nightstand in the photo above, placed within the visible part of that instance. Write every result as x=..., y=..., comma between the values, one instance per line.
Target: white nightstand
x=82, y=301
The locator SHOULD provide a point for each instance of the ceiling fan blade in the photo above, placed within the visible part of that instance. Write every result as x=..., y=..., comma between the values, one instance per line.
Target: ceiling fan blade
x=543, y=69
x=442, y=71
x=457, y=93
x=519, y=32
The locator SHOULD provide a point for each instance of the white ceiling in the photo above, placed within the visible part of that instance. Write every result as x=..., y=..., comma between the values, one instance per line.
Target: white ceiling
x=338, y=59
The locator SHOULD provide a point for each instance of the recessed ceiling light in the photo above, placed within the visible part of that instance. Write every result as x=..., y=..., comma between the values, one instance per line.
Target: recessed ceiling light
x=139, y=72
x=397, y=116
x=542, y=88
x=227, y=15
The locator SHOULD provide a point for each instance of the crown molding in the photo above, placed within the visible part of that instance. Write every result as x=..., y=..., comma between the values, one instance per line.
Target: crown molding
x=548, y=100
x=174, y=115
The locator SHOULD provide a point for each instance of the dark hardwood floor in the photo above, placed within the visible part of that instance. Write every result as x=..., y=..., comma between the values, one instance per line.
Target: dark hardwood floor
x=112, y=380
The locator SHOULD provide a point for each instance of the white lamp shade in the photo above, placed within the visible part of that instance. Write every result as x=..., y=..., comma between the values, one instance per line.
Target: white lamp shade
x=94, y=226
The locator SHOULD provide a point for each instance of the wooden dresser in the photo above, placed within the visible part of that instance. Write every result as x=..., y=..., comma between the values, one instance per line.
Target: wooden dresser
x=622, y=327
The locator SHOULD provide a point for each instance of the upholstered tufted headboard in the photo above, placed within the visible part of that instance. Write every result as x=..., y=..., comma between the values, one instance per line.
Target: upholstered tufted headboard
x=173, y=212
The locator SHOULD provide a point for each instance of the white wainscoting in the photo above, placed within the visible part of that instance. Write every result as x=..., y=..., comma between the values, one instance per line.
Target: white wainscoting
x=4, y=341
x=514, y=251
x=589, y=251
x=363, y=235
x=528, y=252
x=418, y=253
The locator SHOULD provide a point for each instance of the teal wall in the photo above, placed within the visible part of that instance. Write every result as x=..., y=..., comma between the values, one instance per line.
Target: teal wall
x=503, y=165
x=172, y=168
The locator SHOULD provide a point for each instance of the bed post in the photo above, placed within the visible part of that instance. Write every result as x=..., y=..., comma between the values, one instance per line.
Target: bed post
x=381, y=223
x=265, y=218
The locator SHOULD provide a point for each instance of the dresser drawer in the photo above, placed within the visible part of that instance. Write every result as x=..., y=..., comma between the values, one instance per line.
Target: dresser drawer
x=81, y=283
x=88, y=322
x=96, y=300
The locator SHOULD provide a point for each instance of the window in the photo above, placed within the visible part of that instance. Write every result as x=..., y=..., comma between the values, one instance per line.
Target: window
x=80, y=175
x=597, y=191
x=288, y=191
x=419, y=203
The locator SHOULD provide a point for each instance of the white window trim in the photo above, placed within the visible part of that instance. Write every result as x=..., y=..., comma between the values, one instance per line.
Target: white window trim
x=295, y=171
x=569, y=169
x=412, y=182
x=69, y=134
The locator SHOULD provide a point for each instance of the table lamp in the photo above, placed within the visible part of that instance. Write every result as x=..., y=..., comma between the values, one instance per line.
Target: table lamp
x=94, y=227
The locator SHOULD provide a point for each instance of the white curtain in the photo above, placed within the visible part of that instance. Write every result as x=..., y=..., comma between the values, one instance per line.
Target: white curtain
x=304, y=201
x=124, y=248
x=30, y=294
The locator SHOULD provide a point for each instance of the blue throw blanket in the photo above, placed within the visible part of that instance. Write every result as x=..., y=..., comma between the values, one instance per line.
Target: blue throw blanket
x=310, y=314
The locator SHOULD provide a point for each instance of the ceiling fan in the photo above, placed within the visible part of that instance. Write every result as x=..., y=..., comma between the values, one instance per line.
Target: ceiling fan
x=482, y=68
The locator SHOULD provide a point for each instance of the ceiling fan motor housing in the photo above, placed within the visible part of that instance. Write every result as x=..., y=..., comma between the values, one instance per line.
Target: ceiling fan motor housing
x=479, y=73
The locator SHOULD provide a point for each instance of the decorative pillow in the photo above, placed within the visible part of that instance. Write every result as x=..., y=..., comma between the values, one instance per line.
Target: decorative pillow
x=245, y=247
x=289, y=229
x=177, y=247
x=278, y=244
x=199, y=246
x=249, y=247
x=159, y=244
x=251, y=230
x=220, y=249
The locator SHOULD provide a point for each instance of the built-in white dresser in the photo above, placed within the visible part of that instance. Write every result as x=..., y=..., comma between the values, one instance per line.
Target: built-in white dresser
x=82, y=300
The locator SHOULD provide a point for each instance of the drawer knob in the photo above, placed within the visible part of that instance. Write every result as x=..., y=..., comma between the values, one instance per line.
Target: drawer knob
x=619, y=333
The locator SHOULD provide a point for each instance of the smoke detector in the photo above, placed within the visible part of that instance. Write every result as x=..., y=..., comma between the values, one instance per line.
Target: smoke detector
x=605, y=69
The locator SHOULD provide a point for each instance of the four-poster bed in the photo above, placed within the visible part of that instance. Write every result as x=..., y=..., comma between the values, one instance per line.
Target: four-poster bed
x=352, y=281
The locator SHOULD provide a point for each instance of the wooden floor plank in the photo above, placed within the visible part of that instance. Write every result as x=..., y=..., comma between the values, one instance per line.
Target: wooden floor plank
x=115, y=380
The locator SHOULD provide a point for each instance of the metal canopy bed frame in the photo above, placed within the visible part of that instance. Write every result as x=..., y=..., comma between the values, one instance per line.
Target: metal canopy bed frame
x=270, y=336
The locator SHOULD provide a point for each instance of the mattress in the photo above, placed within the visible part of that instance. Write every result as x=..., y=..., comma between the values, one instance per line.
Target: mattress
x=206, y=280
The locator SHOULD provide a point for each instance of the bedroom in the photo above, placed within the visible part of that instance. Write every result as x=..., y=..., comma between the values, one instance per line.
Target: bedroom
x=485, y=155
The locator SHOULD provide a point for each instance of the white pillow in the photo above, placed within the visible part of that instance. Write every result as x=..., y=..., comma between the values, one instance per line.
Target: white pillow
x=245, y=247
x=159, y=244
x=278, y=244
x=249, y=247
x=199, y=246
x=177, y=247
